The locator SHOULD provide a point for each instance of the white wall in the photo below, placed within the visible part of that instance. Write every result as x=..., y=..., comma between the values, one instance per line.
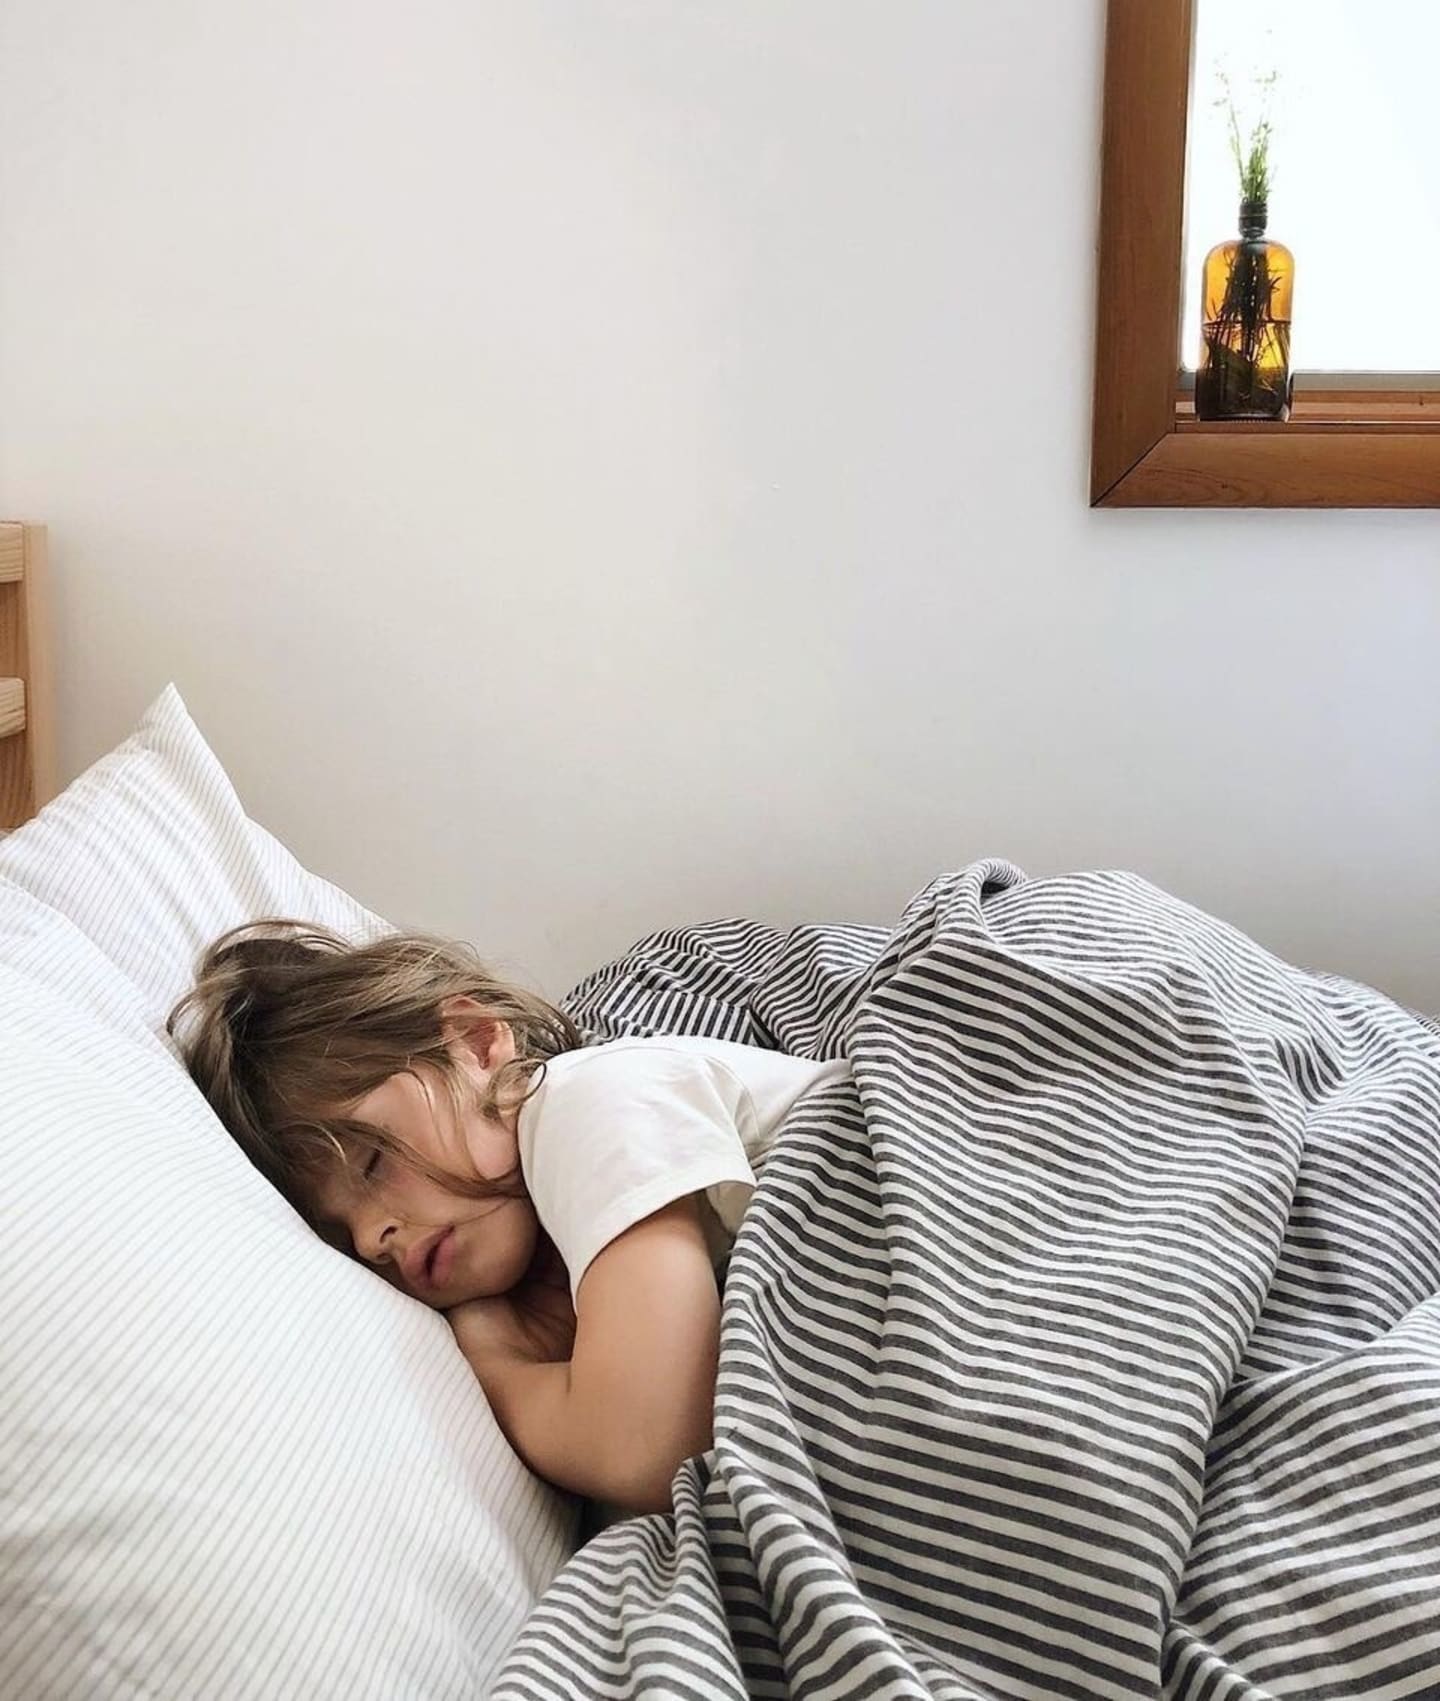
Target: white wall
x=592, y=464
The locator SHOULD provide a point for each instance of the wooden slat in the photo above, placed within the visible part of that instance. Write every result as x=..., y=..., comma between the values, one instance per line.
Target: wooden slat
x=12, y=552
x=1304, y=427
x=27, y=758
x=1142, y=215
x=1284, y=468
x=1356, y=410
x=12, y=706
x=1367, y=403
x=38, y=672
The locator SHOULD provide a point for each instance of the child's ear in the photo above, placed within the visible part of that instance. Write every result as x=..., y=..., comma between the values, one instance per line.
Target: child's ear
x=465, y=1019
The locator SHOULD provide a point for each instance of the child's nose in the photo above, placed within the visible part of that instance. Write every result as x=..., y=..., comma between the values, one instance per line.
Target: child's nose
x=374, y=1236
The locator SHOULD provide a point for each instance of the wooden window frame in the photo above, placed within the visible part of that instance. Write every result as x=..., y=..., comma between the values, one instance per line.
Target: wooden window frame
x=1371, y=447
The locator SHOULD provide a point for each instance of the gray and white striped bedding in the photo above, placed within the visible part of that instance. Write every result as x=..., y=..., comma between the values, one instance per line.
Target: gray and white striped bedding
x=1087, y=1346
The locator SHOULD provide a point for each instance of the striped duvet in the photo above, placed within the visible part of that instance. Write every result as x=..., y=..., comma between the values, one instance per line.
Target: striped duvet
x=1088, y=1345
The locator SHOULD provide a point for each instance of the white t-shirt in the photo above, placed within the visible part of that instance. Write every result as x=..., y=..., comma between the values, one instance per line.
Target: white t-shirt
x=616, y=1131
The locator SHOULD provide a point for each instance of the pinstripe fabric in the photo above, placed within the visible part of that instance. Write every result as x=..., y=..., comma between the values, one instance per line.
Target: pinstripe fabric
x=233, y=1463
x=1087, y=1346
x=150, y=854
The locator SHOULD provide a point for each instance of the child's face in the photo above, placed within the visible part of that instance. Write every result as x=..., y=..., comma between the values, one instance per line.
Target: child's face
x=440, y=1247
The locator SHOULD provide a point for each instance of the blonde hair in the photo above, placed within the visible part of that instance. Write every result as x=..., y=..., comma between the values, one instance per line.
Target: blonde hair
x=288, y=1023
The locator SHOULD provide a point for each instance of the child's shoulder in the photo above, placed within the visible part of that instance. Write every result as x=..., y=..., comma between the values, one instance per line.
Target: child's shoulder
x=650, y=1069
x=644, y=1050
x=690, y=1057
x=647, y=1058
x=665, y=1042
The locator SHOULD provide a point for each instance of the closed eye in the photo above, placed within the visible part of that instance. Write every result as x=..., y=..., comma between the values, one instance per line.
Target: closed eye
x=372, y=1165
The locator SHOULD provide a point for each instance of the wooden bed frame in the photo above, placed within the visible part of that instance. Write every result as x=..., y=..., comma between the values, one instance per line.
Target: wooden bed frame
x=27, y=748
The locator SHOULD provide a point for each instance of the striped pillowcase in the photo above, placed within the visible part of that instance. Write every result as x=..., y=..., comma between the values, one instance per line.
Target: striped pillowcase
x=234, y=1463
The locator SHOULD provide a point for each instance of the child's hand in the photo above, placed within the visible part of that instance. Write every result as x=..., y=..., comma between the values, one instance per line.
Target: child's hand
x=534, y=1322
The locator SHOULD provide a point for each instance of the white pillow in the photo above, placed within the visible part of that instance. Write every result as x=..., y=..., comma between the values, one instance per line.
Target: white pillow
x=151, y=855
x=235, y=1464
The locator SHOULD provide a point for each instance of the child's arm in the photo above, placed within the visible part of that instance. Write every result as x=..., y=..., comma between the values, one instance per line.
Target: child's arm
x=637, y=1396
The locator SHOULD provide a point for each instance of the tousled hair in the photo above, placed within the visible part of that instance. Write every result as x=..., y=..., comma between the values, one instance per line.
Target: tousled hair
x=288, y=1023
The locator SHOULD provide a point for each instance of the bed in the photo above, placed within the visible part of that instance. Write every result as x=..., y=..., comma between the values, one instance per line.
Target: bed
x=1086, y=1343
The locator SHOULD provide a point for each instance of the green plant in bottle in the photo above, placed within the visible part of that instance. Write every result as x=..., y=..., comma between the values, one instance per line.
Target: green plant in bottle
x=1247, y=295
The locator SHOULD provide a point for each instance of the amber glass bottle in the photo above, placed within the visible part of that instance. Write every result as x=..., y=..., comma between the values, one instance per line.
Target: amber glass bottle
x=1245, y=332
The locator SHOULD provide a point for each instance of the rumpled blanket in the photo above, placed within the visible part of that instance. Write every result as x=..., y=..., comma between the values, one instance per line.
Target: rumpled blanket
x=1087, y=1345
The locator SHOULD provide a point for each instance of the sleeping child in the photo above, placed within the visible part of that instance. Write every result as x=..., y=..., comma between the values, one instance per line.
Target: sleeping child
x=566, y=1206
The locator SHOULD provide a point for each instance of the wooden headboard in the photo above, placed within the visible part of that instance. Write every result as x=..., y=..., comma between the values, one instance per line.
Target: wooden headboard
x=27, y=747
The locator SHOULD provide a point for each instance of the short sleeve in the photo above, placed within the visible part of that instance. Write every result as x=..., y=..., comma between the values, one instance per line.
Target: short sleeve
x=614, y=1135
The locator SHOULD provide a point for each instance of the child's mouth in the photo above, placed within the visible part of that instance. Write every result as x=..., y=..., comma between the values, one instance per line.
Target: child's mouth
x=437, y=1260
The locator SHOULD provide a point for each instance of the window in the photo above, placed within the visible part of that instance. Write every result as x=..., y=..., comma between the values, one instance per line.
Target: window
x=1371, y=441
x=1356, y=152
